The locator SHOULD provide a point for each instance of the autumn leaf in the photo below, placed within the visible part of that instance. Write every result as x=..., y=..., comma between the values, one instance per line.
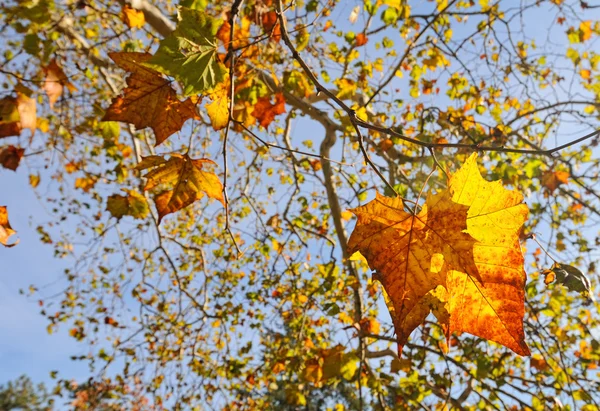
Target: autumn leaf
x=190, y=53
x=27, y=108
x=265, y=111
x=361, y=40
x=55, y=81
x=493, y=305
x=218, y=109
x=132, y=17
x=149, y=100
x=10, y=124
x=133, y=204
x=412, y=253
x=553, y=179
x=186, y=177
x=466, y=239
x=6, y=230
x=10, y=157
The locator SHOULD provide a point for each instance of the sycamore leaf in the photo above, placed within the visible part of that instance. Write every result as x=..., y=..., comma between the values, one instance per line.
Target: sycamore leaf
x=55, y=81
x=553, y=179
x=10, y=157
x=466, y=239
x=132, y=17
x=6, y=230
x=149, y=100
x=186, y=179
x=133, y=204
x=492, y=306
x=190, y=53
x=10, y=124
x=265, y=111
x=412, y=254
x=218, y=109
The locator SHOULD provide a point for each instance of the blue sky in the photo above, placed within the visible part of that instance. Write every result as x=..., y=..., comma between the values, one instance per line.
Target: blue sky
x=25, y=345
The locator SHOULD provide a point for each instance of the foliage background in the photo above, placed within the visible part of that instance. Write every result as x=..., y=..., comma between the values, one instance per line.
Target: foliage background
x=265, y=318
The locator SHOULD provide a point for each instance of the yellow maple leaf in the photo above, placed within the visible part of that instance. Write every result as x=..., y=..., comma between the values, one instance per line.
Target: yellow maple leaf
x=493, y=305
x=132, y=17
x=149, y=100
x=186, y=179
x=459, y=257
x=218, y=109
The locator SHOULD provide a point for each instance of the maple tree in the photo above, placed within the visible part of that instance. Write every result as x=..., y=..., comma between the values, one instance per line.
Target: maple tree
x=214, y=156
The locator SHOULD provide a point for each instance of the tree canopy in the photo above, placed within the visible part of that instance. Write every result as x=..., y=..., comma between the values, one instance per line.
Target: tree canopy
x=313, y=204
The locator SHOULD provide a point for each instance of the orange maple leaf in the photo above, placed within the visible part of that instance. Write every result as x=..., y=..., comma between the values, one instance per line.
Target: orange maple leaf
x=149, y=100
x=265, y=111
x=6, y=230
x=465, y=239
x=186, y=178
x=55, y=81
x=412, y=253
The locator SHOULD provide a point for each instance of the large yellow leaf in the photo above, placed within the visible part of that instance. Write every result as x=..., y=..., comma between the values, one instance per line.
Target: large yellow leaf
x=149, y=100
x=465, y=239
x=186, y=179
x=492, y=306
x=412, y=254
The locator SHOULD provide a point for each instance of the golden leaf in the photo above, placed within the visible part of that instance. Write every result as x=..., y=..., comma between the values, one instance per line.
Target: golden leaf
x=493, y=305
x=218, y=109
x=132, y=17
x=185, y=177
x=466, y=240
x=400, y=247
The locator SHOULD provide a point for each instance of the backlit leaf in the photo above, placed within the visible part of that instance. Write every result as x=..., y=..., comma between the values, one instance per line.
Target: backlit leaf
x=218, y=109
x=185, y=178
x=466, y=239
x=190, y=53
x=265, y=111
x=132, y=17
x=149, y=100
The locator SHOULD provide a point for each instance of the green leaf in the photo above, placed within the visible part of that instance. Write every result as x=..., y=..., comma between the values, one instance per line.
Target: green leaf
x=190, y=53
